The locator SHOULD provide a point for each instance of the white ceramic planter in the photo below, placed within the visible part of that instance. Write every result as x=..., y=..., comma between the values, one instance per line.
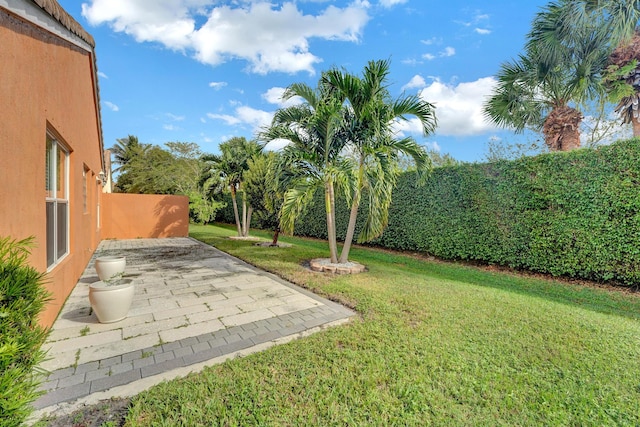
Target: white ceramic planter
x=111, y=301
x=110, y=267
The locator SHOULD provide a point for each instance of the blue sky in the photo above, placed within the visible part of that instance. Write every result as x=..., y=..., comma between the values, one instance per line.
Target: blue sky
x=204, y=71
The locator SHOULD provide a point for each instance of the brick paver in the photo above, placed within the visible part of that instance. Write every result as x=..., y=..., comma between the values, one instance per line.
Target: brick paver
x=193, y=303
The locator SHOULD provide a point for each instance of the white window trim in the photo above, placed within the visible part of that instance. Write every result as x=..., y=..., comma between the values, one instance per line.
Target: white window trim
x=56, y=144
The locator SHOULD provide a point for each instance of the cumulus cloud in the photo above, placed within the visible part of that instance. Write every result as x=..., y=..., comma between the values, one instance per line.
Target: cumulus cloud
x=459, y=107
x=111, y=106
x=269, y=36
x=274, y=96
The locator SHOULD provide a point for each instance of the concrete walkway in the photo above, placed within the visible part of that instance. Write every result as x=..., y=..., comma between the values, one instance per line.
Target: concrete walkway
x=194, y=306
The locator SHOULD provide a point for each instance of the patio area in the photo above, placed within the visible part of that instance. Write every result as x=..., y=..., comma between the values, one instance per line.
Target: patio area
x=194, y=306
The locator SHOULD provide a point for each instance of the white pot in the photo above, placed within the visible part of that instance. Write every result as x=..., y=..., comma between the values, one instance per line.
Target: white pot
x=110, y=267
x=111, y=301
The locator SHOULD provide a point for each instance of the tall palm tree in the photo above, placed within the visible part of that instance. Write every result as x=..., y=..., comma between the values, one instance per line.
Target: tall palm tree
x=313, y=154
x=543, y=88
x=370, y=113
x=228, y=167
x=617, y=20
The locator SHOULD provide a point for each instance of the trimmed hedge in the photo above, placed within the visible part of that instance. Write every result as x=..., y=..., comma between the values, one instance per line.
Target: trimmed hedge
x=573, y=214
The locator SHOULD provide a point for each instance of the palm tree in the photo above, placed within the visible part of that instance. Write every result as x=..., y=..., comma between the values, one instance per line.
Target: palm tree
x=264, y=183
x=228, y=168
x=542, y=89
x=370, y=114
x=126, y=149
x=617, y=20
x=313, y=154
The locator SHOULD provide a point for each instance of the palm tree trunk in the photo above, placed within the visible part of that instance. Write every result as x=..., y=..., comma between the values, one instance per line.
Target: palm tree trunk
x=235, y=210
x=244, y=215
x=248, y=223
x=635, y=124
x=353, y=216
x=331, y=221
x=276, y=234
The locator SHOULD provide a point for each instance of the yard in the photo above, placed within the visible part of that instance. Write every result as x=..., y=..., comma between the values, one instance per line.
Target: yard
x=434, y=343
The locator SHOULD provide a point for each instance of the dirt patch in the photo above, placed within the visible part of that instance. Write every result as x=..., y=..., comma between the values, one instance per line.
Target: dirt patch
x=111, y=412
x=271, y=245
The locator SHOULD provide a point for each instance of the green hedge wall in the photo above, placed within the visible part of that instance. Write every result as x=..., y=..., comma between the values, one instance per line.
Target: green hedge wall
x=573, y=214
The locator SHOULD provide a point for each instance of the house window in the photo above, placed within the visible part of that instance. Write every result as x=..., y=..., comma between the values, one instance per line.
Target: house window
x=56, y=186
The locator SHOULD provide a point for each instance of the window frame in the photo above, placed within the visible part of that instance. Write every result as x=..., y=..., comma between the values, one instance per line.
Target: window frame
x=56, y=196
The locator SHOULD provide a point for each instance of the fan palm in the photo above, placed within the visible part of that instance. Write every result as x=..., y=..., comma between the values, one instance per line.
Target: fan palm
x=369, y=115
x=313, y=154
x=542, y=89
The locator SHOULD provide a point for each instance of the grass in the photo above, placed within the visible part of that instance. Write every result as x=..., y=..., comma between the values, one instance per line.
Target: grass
x=433, y=344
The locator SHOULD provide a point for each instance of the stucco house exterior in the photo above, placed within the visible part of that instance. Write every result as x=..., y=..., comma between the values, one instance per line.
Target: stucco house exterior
x=52, y=163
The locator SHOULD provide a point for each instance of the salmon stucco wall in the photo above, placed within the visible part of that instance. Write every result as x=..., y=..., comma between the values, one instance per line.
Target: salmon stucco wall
x=132, y=216
x=48, y=85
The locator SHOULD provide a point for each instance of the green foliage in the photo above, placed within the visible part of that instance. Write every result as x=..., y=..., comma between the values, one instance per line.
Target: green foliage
x=22, y=298
x=571, y=214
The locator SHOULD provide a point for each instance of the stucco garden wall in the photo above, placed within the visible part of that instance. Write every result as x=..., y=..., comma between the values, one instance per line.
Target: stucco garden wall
x=132, y=216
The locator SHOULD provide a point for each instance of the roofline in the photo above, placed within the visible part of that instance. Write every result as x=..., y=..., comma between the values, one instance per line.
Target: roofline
x=62, y=16
x=27, y=10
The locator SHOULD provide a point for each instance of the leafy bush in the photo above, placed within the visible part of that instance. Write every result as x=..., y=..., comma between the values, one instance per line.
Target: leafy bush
x=573, y=214
x=22, y=298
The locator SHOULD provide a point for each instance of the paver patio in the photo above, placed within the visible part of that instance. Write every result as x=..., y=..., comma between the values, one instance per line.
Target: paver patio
x=194, y=306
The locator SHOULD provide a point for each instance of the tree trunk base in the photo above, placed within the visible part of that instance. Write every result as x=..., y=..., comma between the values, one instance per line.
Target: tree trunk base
x=324, y=265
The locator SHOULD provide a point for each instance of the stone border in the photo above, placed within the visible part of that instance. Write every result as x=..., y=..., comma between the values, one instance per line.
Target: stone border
x=323, y=265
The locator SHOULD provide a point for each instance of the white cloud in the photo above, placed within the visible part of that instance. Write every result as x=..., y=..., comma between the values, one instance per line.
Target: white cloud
x=390, y=3
x=170, y=127
x=446, y=52
x=416, y=82
x=244, y=115
x=174, y=117
x=230, y=120
x=217, y=85
x=432, y=40
x=269, y=37
x=276, y=144
x=103, y=75
x=459, y=107
x=274, y=96
x=111, y=106
x=482, y=31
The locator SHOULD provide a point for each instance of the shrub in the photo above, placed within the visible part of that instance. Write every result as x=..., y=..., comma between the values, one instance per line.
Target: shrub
x=22, y=298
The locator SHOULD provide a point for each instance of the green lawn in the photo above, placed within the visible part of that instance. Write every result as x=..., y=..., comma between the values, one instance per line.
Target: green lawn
x=434, y=344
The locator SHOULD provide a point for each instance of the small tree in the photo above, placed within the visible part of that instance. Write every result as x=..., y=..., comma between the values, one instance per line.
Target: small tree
x=265, y=188
x=228, y=168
